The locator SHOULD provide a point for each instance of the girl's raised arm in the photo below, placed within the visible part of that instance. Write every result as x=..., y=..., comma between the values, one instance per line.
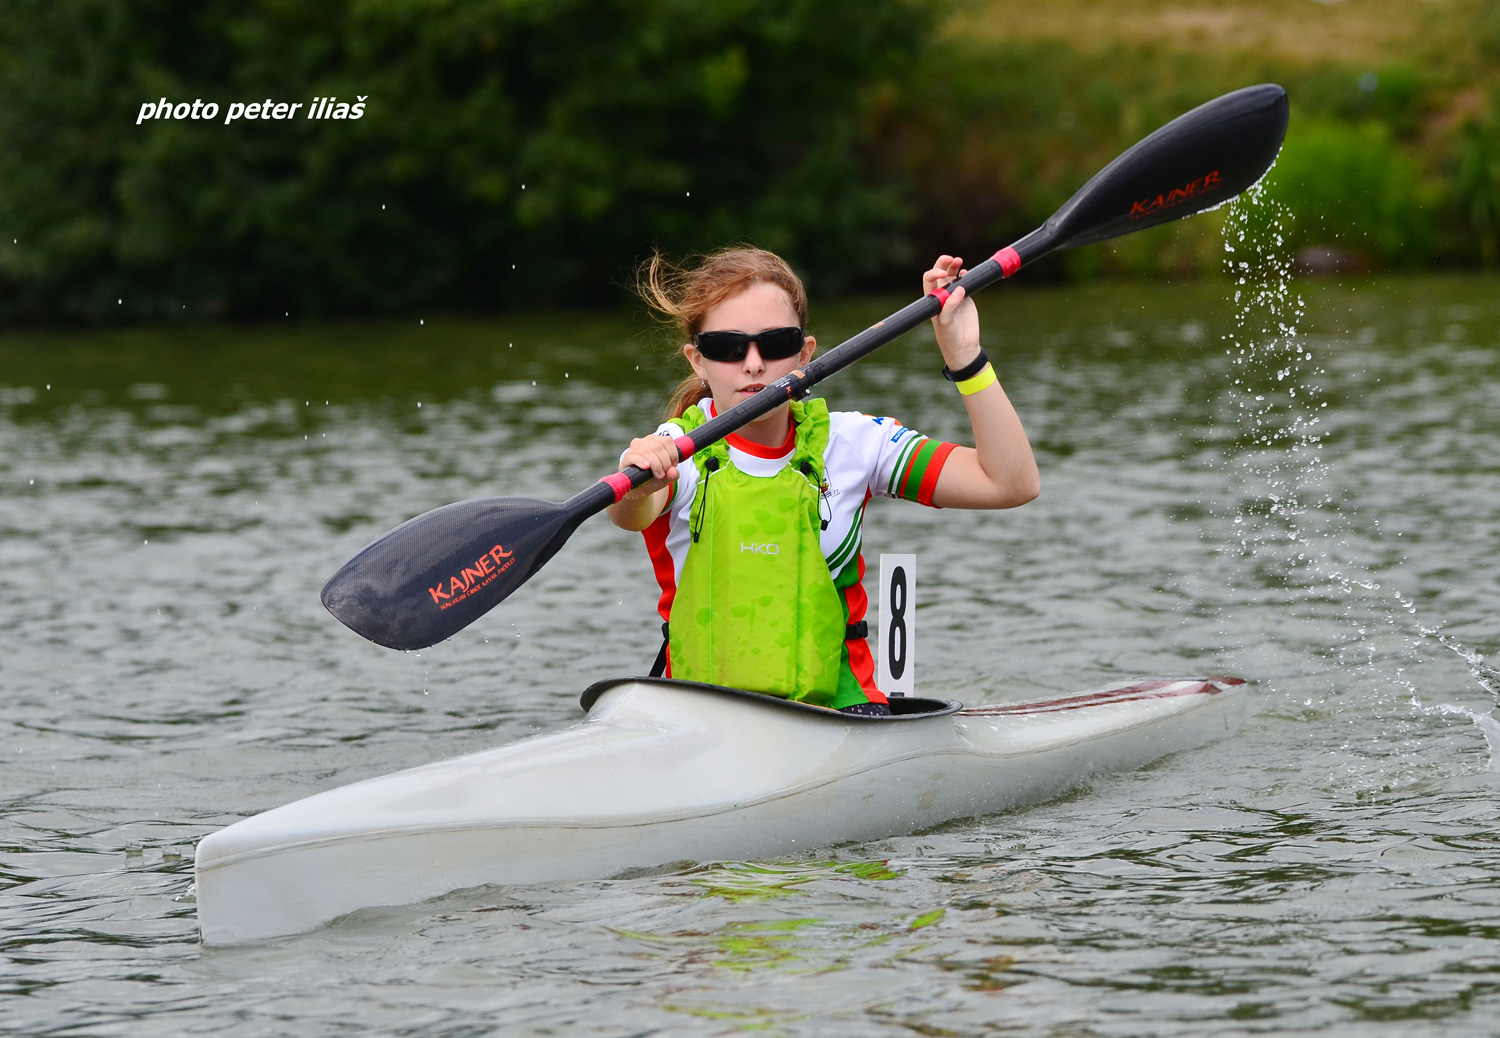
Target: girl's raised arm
x=999, y=471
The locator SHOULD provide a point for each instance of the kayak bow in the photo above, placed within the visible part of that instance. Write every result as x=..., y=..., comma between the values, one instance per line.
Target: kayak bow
x=661, y=771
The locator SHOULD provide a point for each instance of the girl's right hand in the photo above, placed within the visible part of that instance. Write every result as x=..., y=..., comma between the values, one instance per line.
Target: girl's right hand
x=657, y=453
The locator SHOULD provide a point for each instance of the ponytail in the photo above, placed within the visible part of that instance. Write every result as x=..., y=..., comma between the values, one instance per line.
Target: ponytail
x=688, y=392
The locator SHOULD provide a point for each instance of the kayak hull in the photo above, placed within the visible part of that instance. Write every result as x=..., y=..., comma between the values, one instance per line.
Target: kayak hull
x=662, y=771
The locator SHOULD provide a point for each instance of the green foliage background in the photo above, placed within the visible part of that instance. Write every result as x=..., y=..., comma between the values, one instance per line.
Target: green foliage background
x=522, y=149
x=510, y=148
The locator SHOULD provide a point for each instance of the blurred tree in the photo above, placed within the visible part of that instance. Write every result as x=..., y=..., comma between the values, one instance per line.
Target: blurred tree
x=1350, y=185
x=510, y=150
x=1477, y=179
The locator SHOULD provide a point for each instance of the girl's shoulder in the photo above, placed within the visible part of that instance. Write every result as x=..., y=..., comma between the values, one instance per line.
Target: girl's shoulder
x=671, y=427
x=867, y=430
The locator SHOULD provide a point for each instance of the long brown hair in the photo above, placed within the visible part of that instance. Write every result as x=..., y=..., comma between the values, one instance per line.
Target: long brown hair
x=684, y=295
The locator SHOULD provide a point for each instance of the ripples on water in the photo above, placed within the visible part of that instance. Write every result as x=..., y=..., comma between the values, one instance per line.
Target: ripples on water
x=173, y=502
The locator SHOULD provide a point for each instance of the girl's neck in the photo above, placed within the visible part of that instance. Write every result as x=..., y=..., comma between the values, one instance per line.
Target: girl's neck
x=769, y=431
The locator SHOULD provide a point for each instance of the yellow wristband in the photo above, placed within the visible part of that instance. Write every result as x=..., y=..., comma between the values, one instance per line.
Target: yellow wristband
x=983, y=380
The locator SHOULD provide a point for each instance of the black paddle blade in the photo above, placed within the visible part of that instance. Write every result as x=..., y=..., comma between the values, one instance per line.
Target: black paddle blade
x=435, y=574
x=1197, y=161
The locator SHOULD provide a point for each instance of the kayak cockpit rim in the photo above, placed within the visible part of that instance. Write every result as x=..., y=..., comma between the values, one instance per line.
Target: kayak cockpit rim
x=903, y=708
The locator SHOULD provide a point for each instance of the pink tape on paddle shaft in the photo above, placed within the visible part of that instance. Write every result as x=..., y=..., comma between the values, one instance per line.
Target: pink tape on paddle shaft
x=1009, y=260
x=685, y=447
x=618, y=482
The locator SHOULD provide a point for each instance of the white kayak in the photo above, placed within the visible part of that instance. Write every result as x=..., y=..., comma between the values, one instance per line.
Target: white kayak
x=662, y=771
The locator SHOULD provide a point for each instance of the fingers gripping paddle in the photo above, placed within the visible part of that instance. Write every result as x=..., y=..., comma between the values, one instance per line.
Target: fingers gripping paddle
x=432, y=576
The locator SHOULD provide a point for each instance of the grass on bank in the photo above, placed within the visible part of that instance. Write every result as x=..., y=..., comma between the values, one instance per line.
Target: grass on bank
x=1392, y=158
x=1310, y=31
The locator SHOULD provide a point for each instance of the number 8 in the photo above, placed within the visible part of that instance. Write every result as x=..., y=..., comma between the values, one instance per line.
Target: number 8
x=894, y=655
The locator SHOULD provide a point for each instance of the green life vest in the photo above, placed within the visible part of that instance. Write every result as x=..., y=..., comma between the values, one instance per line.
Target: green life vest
x=756, y=607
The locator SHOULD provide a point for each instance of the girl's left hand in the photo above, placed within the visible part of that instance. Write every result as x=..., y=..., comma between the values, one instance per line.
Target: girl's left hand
x=957, y=324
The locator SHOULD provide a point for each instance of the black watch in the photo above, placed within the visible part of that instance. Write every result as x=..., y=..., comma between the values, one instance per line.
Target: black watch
x=968, y=371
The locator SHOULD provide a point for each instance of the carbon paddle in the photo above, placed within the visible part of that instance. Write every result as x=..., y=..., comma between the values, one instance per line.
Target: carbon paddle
x=432, y=576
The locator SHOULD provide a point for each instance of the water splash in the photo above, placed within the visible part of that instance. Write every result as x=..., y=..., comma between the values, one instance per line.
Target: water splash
x=1291, y=525
x=1485, y=674
x=1285, y=522
x=1489, y=726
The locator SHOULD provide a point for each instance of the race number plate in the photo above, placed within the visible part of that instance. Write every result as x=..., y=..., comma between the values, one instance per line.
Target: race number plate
x=898, y=624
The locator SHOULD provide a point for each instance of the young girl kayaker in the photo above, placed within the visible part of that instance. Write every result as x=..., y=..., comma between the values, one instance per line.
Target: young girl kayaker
x=755, y=540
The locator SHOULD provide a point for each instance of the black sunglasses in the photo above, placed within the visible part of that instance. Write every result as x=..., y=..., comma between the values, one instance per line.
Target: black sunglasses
x=773, y=343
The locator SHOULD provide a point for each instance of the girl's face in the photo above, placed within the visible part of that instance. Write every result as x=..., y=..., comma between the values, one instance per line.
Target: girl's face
x=758, y=308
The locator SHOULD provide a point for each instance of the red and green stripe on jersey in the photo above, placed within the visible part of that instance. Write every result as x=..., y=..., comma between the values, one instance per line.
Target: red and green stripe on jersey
x=916, y=474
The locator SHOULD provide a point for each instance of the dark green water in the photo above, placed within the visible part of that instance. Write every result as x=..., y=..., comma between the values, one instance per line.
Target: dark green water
x=172, y=500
